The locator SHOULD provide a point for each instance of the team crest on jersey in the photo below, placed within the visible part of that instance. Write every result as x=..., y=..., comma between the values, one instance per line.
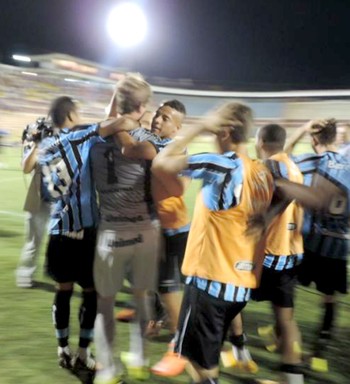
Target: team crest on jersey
x=246, y=266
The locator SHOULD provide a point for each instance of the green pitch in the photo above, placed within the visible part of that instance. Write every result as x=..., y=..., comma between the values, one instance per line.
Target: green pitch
x=27, y=342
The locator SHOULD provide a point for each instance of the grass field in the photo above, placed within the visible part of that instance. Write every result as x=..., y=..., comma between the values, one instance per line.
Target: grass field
x=27, y=342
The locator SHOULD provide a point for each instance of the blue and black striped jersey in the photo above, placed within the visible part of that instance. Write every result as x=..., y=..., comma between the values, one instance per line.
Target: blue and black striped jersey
x=222, y=177
x=327, y=233
x=67, y=172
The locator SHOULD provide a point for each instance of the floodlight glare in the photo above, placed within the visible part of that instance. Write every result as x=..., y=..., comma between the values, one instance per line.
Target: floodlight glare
x=27, y=59
x=127, y=24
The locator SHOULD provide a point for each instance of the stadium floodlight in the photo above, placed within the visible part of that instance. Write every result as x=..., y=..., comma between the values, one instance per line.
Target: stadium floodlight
x=26, y=59
x=127, y=24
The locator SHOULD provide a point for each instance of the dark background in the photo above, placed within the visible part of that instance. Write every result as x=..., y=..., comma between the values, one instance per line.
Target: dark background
x=232, y=44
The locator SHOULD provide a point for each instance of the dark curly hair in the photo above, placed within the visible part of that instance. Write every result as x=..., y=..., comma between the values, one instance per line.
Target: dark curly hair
x=325, y=131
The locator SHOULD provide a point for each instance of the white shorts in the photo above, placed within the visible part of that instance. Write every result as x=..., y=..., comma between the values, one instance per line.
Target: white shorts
x=120, y=254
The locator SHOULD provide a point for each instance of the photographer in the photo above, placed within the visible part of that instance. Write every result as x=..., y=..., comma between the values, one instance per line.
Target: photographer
x=36, y=137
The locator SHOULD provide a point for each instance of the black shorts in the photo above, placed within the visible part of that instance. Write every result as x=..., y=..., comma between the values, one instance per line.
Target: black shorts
x=329, y=275
x=277, y=287
x=170, y=277
x=203, y=324
x=72, y=260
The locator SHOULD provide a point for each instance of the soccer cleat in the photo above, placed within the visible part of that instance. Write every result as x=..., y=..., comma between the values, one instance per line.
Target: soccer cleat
x=268, y=335
x=135, y=372
x=318, y=364
x=240, y=359
x=126, y=315
x=153, y=328
x=172, y=364
x=64, y=357
x=322, y=344
x=84, y=369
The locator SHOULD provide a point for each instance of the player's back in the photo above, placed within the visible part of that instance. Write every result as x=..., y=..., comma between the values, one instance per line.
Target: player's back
x=123, y=187
x=218, y=248
x=284, y=236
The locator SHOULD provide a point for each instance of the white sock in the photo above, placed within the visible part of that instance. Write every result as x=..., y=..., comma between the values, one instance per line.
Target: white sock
x=83, y=353
x=65, y=349
x=293, y=378
x=136, y=345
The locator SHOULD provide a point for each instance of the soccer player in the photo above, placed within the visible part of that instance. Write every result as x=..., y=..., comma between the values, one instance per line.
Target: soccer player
x=326, y=223
x=127, y=243
x=172, y=211
x=283, y=253
x=173, y=216
x=221, y=263
x=72, y=228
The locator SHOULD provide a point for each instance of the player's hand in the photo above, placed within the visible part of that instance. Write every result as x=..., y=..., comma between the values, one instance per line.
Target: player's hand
x=127, y=124
x=112, y=109
x=215, y=123
x=315, y=126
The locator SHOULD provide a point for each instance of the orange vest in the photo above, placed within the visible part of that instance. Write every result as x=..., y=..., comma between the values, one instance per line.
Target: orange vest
x=217, y=247
x=284, y=235
x=172, y=213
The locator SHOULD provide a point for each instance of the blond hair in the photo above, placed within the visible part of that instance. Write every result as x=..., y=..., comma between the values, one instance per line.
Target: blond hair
x=132, y=92
x=242, y=115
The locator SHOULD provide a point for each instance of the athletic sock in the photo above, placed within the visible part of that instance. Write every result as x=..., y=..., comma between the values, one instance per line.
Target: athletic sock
x=210, y=381
x=60, y=316
x=87, y=315
x=328, y=318
x=238, y=341
x=292, y=373
x=239, y=349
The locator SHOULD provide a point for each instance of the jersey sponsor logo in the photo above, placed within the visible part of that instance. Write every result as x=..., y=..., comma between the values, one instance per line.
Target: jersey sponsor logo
x=291, y=226
x=118, y=219
x=113, y=190
x=118, y=243
x=245, y=266
x=335, y=165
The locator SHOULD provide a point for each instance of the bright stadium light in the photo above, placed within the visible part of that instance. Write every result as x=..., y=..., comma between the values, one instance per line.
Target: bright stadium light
x=27, y=59
x=127, y=24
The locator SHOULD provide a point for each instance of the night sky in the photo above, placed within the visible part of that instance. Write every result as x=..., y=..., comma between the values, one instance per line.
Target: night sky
x=237, y=44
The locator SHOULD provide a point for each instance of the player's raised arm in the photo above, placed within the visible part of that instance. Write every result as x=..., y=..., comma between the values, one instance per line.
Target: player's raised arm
x=318, y=197
x=296, y=137
x=172, y=160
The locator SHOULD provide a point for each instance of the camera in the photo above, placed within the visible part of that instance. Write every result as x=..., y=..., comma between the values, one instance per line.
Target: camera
x=38, y=131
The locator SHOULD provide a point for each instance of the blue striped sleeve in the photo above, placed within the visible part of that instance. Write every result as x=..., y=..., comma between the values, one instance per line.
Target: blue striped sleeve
x=336, y=169
x=222, y=177
x=208, y=166
x=307, y=163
